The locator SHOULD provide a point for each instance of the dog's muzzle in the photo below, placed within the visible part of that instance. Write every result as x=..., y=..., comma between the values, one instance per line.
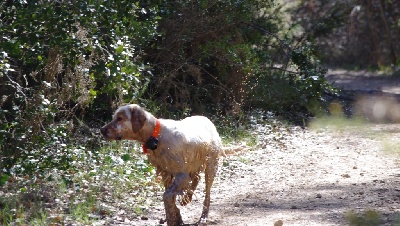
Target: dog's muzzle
x=104, y=132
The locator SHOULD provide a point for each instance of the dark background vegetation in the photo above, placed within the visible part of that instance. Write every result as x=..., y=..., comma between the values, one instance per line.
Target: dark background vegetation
x=66, y=65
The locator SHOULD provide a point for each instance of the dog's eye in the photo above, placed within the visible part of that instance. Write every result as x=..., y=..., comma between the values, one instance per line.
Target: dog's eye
x=119, y=119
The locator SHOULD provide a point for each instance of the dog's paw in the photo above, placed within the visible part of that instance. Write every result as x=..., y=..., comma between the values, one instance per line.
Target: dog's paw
x=202, y=222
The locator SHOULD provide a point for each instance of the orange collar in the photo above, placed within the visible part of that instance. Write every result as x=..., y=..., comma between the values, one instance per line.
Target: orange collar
x=157, y=128
x=156, y=131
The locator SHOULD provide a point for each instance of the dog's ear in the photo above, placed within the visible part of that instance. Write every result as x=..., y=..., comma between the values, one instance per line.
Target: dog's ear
x=138, y=118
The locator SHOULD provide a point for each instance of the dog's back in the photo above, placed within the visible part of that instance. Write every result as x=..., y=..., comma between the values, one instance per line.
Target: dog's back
x=185, y=145
x=200, y=129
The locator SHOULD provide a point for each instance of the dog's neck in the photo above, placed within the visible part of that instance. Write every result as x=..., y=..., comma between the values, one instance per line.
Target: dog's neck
x=147, y=130
x=152, y=143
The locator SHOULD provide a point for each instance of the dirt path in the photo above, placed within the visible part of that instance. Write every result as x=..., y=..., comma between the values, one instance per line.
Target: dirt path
x=310, y=178
x=306, y=176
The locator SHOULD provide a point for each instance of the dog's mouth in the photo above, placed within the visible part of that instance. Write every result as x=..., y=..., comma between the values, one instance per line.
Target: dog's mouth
x=106, y=134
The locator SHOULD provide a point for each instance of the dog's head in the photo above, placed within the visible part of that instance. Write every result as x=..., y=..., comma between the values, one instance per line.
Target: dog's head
x=126, y=124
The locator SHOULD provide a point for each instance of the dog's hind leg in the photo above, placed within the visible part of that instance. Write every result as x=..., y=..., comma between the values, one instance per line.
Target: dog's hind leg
x=187, y=197
x=210, y=172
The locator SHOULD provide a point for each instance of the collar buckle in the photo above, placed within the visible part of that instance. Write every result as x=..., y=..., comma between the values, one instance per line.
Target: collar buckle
x=152, y=142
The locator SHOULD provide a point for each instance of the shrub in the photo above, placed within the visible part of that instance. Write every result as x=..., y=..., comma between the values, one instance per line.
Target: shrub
x=62, y=61
x=208, y=54
x=57, y=60
x=227, y=57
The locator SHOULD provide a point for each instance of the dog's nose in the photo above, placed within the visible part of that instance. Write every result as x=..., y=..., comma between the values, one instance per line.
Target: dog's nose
x=103, y=131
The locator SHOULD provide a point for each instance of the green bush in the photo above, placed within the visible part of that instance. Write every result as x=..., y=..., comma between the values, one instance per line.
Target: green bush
x=209, y=53
x=226, y=57
x=58, y=61
x=62, y=63
x=31, y=141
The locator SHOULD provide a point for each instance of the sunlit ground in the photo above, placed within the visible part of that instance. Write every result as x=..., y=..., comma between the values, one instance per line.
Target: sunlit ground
x=377, y=117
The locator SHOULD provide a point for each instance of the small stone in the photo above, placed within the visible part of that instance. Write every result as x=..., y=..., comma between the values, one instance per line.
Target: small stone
x=144, y=218
x=293, y=207
x=93, y=216
x=236, y=204
x=346, y=175
x=319, y=196
x=278, y=223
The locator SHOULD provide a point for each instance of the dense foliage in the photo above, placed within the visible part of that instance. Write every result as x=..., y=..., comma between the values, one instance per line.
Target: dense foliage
x=59, y=58
x=66, y=65
x=64, y=62
x=366, y=36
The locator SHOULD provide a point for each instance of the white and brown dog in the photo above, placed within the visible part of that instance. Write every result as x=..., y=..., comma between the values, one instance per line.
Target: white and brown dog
x=180, y=150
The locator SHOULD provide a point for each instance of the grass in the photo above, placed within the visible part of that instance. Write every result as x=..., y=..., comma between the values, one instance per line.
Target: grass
x=236, y=129
x=99, y=184
x=338, y=123
x=367, y=218
x=24, y=207
x=6, y=215
x=391, y=145
x=40, y=219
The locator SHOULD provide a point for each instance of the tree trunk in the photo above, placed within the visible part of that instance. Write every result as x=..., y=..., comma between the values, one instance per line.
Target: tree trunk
x=389, y=38
x=377, y=51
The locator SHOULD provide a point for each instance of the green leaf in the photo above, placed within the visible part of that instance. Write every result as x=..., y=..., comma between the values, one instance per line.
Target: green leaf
x=93, y=92
x=3, y=179
x=119, y=49
x=125, y=157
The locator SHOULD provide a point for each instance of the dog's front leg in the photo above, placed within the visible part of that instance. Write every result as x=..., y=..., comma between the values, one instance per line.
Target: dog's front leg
x=172, y=212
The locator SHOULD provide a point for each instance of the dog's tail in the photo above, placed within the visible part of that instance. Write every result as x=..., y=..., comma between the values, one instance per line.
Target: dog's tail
x=234, y=149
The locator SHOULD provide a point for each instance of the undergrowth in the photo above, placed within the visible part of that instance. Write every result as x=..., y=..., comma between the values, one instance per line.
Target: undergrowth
x=236, y=129
x=98, y=185
x=117, y=180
